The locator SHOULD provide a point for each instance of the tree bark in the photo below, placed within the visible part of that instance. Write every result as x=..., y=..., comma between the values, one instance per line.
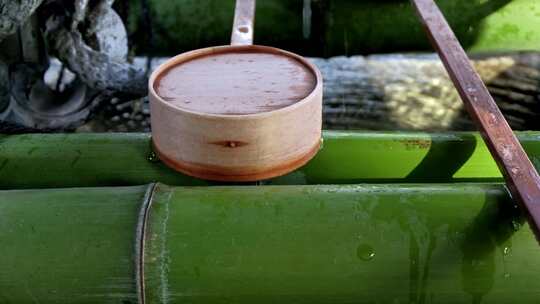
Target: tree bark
x=414, y=92
x=379, y=92
x=393, y=92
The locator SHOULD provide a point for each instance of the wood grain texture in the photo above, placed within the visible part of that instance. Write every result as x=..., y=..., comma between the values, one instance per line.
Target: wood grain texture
x=414, y=92
x=221, y=173
x=244, y=19
x=236, y=83
x=259, y=145
x=520, y=175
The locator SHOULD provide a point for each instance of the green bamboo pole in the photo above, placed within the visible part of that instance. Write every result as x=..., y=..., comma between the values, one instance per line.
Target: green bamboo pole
x=69, y=245
x=440, y=243
x=71, y=160
x=339, y=244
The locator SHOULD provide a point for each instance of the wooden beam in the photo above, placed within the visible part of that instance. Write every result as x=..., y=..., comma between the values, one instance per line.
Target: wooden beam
x=521, y=177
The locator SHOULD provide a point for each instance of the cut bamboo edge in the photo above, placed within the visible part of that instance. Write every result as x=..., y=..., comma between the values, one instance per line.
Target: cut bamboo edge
x=520, y=175
x=303, y=244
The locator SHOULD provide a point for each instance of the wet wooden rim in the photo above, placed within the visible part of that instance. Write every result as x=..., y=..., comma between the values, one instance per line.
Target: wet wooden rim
x=184, y=57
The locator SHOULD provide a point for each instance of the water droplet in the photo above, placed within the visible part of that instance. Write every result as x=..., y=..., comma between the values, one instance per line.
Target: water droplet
x=365, y=252
x=506, y=250
x=152, y=157
x=506, y=275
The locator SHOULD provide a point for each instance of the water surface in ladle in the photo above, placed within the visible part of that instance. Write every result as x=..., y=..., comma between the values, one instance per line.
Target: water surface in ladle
x=236, y=83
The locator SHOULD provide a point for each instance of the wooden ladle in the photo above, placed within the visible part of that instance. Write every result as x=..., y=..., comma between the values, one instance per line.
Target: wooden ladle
x=241, y=112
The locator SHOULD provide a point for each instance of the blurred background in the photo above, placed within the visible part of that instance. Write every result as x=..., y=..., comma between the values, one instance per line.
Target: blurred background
x=82, y=66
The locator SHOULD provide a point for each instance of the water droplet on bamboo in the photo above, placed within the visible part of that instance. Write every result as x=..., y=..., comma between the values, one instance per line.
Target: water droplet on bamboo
x=152, y=157
x=365, y=252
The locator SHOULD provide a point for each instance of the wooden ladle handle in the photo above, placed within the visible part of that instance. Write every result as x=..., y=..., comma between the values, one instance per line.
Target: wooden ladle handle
x=244, y=18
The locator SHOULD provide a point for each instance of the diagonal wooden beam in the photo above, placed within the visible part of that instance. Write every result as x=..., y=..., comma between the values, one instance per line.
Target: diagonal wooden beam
x=521, y=177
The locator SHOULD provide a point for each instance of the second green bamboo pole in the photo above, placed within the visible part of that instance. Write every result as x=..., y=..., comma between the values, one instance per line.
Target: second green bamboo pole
x=89, y=160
